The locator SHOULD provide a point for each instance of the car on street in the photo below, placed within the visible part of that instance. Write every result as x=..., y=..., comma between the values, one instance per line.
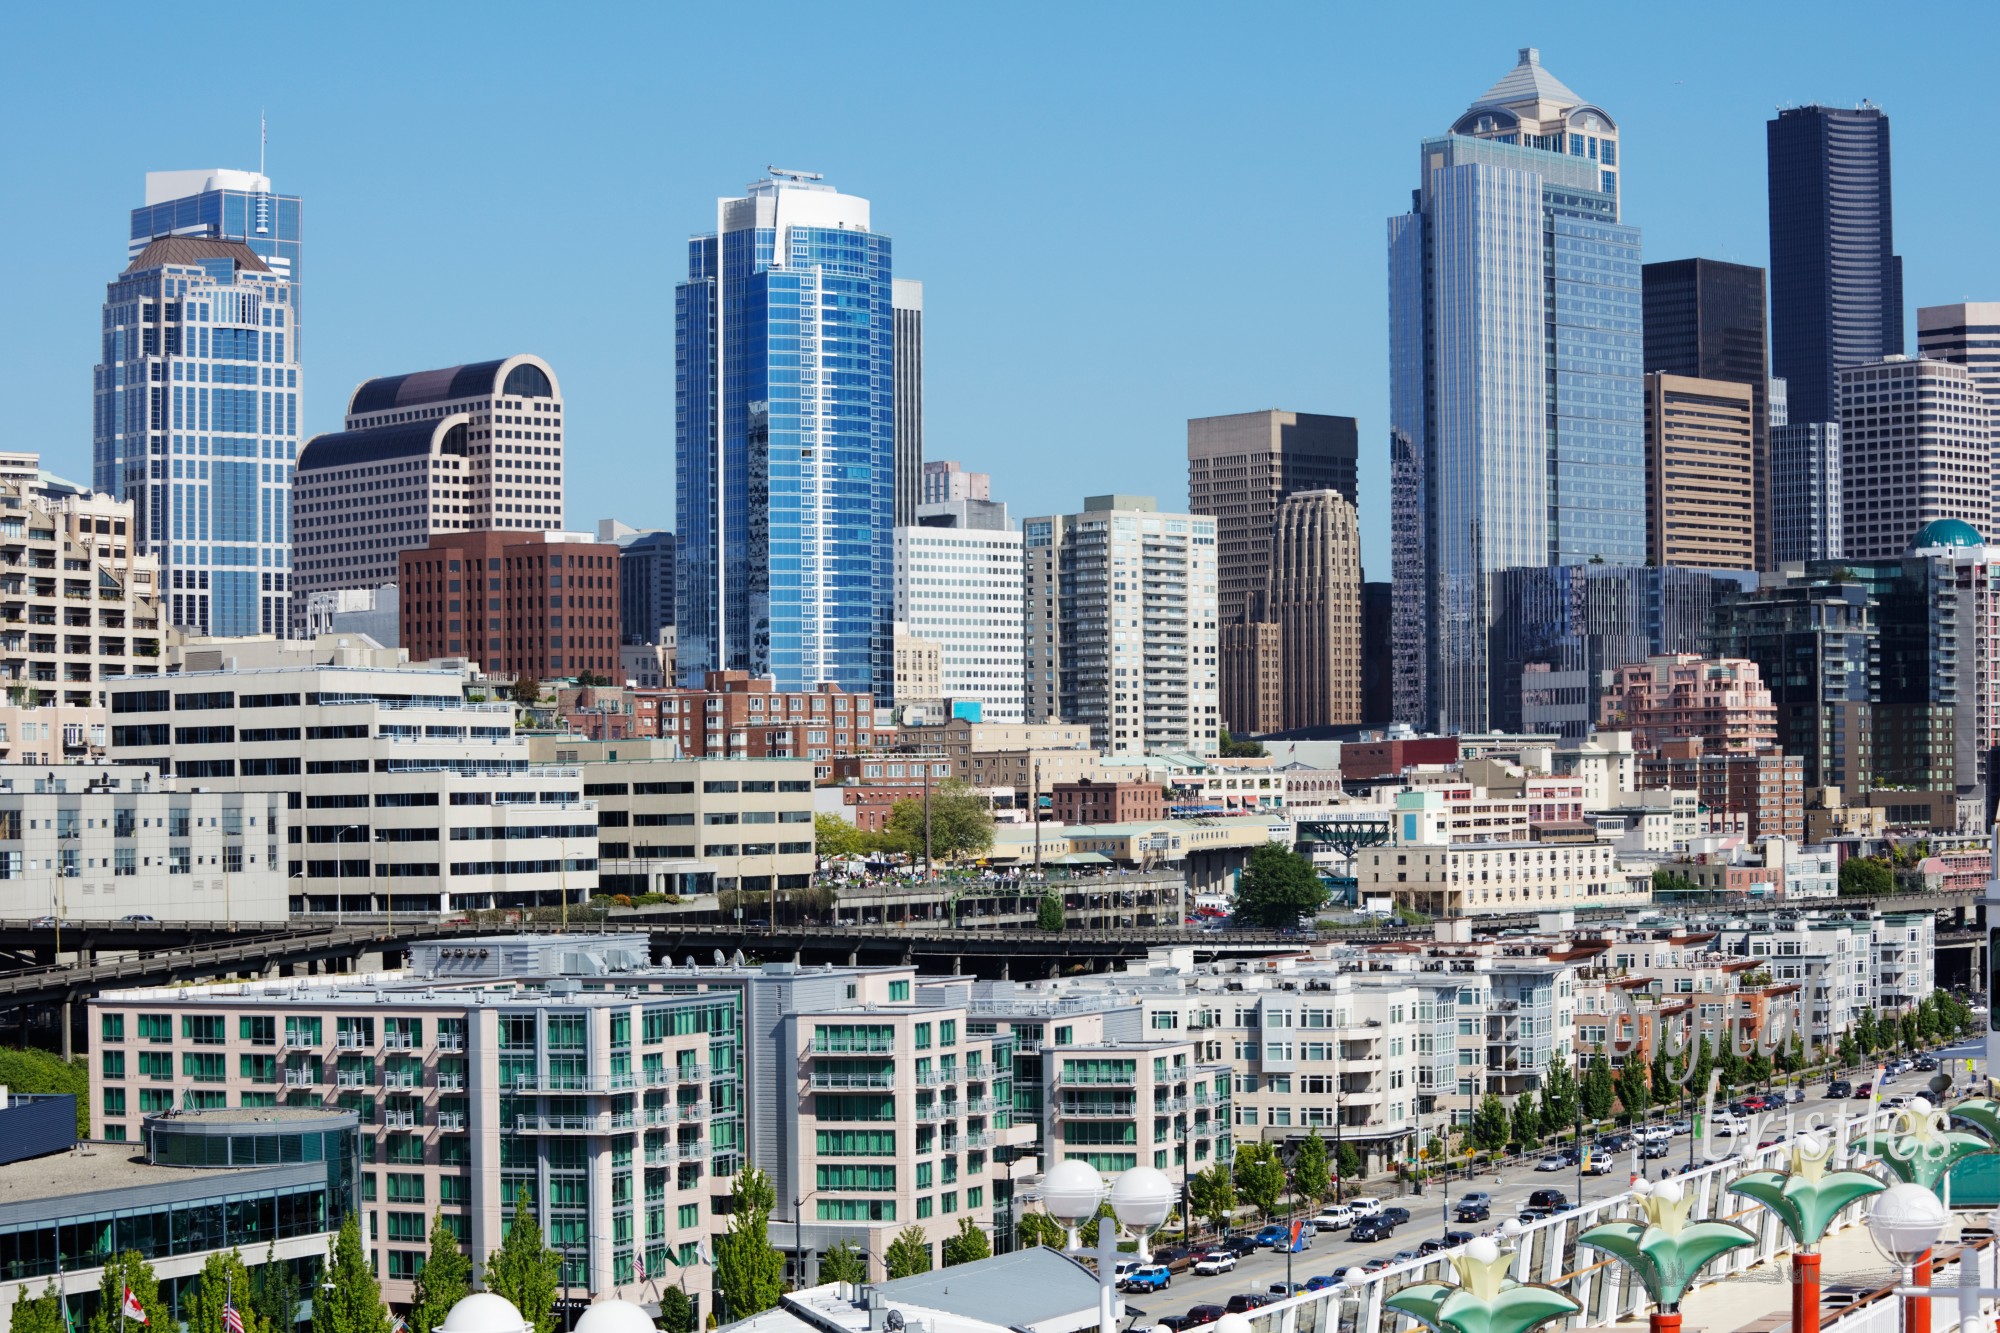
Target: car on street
x=1279, y=1291
x=1840, y=1087
x=42, y=923
x=1214, y=1262
x=1552, y=1164
x=1321, y=1281
x=1654, y=1133
x=1394, y=1215
x=1894, y=1103
x=139, y=917
x=1554, y=1200
x=1243, y=1302
x=1528, y=1215
x=1467, y=1211
x=1927, y=1063
x=1599, y=1164
x=1862, y=1090
x=1241, y=1243
x=1148, y=1277
x=1271, y=1235
x=1333, y=1217
x=1370, y=1229
x=1476, y=1196
x=1749, y=1104
x=1377, y=1264
x=1171, y=1254
x=1682, y=1127
x=1198, y=1315
x=1454, y=1238
x=1121, y=1268
x=1654, y=1151
x=1364, y=1206
x=1405, y=1257
x=1729, y=1126
x=1432, y=1246
x=1615, y=1142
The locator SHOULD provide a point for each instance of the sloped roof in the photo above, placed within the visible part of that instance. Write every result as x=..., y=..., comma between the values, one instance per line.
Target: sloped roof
x=194, y=249
x=1528, y=81
x=425, y=386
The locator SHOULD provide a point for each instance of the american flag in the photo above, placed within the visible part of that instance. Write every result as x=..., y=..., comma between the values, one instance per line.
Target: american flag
x=232, y=1319
x=639, y=1264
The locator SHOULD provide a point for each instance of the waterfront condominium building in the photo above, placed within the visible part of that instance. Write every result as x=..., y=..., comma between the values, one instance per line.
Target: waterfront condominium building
x=1515, y=354
x=1705, y=320
x=1314, y=596
x=1836, y=280
x=1969, y=334
x=541, y=604
x=1701, y=473
x=472, y=447
x=1917, y=445
x=404, y=794
x=1815, y=642
x=1805, y=492
x=906, y=296
x=958, y=585
x=1121, y=620
x=196, y=395
x=785, y=434
x=1240, y=467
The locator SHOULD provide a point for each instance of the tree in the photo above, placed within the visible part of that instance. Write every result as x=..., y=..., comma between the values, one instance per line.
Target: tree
x=1049, y=914
x=961, y=823
x=38, y=1314
x=525, y=1269
x=1212, y=1195
x=749, y=1272
x=1865, y=1035
x=1527, y=1127
x=1704, y=1065
x=1278, y=887
x=1260, y=1177
x=1559, y=1094
x=1040, y=1229
x=843, y=1262
x=1667, y=884
x=1347, y=1161
x=834, y=836
x=1598, y=1092
x=28, y=1070
x=1311, y=1175
x=1849, y=1050
x=446, y=1278
x=1229, y=747
x=352, y=1299
x=223, y=1281
x=1491, y=1125
x=676, y=1311
x=1866, y=875
x=968, y=1245
x=1634, y=1096
x=527, y=691
x=275, y=1291
x=909, y=1254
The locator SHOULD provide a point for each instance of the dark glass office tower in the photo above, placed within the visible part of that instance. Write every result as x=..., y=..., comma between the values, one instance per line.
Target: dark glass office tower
x=1705, y=319
x=1836, y=281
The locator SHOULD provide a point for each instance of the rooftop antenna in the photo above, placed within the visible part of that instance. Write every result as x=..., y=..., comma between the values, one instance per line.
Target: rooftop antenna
x=783, y=173
x=263, y=139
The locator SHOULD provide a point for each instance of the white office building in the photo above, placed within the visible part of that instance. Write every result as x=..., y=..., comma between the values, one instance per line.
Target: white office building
x=1916, y=446
x=958, y=585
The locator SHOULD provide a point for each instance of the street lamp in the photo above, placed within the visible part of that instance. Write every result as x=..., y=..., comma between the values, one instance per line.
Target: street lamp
x=1140, y=1202
x=1905, y=1221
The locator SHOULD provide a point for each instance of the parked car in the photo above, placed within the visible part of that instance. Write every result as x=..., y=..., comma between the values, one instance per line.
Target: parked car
x=1333, y=1217
x=1376, y=1265
x=1862, y=1090
x=1198, y=1315
x=42, y=923
x=1243, y=1302
x=1749, y=1104
x=1279, y=1291
x=140, y=917
x=1552, y=1164
x=1729, y=1126
x=1616, y=1142
x=1456, y=1238
x=1172, y=1255
x=1467, y=1211
x=1395, y=1216
x=1531, y=1214
x=1214, y=1262
x=1405, y=1257
x=1271, y=1235
x=1370, y=1229
x=1121, y=1268
x=1927, y=1063
x=1432, y=1246
x=1682, y=1127
x=1895, y=1103
x=1654, y=1133
x=1554, y=1200
x=1321, y=1281
x=1241, y=1243
x=1150, y=1277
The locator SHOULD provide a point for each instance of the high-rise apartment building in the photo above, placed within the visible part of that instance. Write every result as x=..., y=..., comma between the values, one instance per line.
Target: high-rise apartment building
x=946, y=481
x=906, y=297
x=1121, y=619
x=1814, y=641
x=1721, y=700
x=959, y=585
x=1836, y=280
x=1701, y=469
x=1515, y=358
x=1705, y=320
x=196, y=395
x=1916, y=446
x=1315, y=599
x=1968, y=334
x=467, y=448
x=539, y=604
x=785, y=442
x=1806, y=503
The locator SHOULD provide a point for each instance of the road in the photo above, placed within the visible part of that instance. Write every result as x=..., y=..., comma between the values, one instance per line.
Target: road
x=1332, y=1251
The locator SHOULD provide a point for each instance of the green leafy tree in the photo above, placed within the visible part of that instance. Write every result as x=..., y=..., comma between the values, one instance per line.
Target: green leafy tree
x=1865, y=1033
x=1527, y=1123
x=1229, y=747
x=223, y=1281
x=1756, y=1067
x=1727, y=1060
x=1312, y=1178
x=127, y=1270
x=1663, y=1071
x=969, y=1245
x=1866, y=875
x=1492, y=1126
x=845, y=1263
x=1212, y=1194
x=1278, y=887
x=749, y=1272
x=525, y=1269
x=1347, y=1161
x=676, y=1311
x=909, y=1254
x=1634, y=1095
x=1598, y=1090
x=961, y=823
x=1849, y=1050
x=29, y=1070
x=1049, y=913
x=38, y=1314
x=834, y=836
x=1704, y=1066
x=445, y=1281
x=527, y=691
x=1040, y=1229
x=1260, y=1177
x=351, y=1302
x=1559, y=1093
x=276, y=1293
x=1087, y=1233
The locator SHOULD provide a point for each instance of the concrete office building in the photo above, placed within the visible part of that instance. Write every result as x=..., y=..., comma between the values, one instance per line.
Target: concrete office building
x=906, y=299
x=1141, y=672
x=959, y=585
x=541, y=604
x=99, y=843
x=1806, y=496
x=81, y=602
x=946, y=481
x=411, y=797
x=1701, y=473
x=1240, y=467
x=645, y=581
x=1705, y=320
x=919, y=676
x=1028, y=758
x=1916, y=447
x=467, y=448
x=1315, y=598
x=1968, y=334
x=1515, y=357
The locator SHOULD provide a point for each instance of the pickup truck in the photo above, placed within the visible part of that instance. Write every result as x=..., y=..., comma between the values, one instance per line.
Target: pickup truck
x=1150, y=1277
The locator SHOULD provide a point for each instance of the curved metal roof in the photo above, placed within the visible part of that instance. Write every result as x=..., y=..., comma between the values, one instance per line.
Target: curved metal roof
x=375, y=444
x=1947, y=532
x=425, y=386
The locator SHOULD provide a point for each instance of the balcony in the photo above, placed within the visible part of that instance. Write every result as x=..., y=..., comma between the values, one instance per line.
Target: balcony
x=400, y=1041
x=823, y=1080
x=1098, y=1110
x=938, y=1078
x=350, y=1078
x=853, y=1046
x=552, y=1124
x=299, y=1078
x=937, y=1111
x=691, y=1152
x=693, y=1073
x=451, y=1120
x=451, y=1042
x=451, y=1082
x=979, y=1139
x=399, y=1119
x=693, y=1111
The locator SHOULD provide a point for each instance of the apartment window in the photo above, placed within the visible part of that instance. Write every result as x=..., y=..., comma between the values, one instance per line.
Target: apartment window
x=111, y=1027
x=899, y=992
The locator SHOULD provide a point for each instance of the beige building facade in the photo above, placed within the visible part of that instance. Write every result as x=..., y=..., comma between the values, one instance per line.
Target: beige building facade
x=1315, y=599
x=1700, y=473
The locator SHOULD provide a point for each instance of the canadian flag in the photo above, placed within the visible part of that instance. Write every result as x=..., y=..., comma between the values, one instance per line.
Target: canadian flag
x=133, y=1310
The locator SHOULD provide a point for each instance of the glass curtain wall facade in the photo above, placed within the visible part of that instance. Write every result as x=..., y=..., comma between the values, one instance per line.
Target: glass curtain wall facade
x=785, y=442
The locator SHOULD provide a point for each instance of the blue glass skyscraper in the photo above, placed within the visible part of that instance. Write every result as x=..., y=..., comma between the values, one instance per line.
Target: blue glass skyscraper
x=1516, y=378
x=785, y=442
x=196, y=395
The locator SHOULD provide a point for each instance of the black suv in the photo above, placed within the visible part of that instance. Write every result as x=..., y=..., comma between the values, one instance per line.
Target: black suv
x=1241, y=1244
x=1376, y=1227
x=1553, y=1200
x=1245, y=1301
x=1840, y=1087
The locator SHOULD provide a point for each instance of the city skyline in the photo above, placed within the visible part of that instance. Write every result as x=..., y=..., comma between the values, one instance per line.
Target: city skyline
x=1694, y=112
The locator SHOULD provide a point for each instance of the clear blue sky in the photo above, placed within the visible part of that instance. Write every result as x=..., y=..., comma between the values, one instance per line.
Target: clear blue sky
x=1125, y=215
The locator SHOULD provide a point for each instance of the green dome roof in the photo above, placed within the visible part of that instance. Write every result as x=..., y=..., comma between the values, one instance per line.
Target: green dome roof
x=1947, y=532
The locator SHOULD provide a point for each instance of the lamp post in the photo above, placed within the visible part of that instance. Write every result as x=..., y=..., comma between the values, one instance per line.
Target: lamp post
x=798, y=1233
x=1140, y=1201
x=1898, y=1224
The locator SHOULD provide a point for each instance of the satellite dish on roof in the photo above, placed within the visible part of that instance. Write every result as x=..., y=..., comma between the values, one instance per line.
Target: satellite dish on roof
x=718, y=958
x=738, y=960
x=690, y=962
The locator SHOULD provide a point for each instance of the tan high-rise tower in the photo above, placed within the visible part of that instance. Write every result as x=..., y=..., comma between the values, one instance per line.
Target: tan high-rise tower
x=1701, y=487
x=1315, y=599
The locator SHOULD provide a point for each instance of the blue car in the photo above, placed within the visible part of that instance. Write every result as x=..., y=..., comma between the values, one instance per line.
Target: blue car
x=1271, y=1235
x=1322, y=1282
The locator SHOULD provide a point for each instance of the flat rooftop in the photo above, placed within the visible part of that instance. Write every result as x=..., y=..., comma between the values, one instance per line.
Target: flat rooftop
x=93, y=1168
